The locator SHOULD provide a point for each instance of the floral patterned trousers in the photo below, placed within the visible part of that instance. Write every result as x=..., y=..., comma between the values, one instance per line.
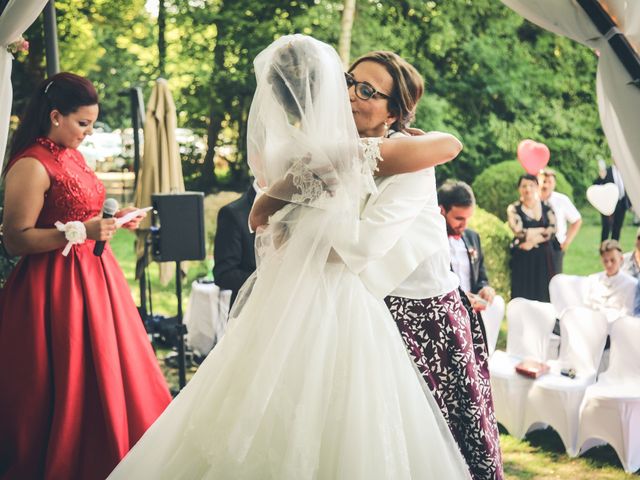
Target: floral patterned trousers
x=446, y=341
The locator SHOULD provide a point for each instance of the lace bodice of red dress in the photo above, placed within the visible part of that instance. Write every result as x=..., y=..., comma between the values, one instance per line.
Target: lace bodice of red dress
x=75, y=192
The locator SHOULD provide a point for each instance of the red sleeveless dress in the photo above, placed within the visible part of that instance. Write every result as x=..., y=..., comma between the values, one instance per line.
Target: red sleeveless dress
x=79, y=382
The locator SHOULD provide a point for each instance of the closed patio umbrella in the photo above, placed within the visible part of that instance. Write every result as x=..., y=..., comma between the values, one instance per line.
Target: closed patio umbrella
x=161, y=169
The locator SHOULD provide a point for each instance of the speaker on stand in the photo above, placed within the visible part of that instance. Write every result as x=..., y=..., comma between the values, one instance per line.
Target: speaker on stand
x=177, y=234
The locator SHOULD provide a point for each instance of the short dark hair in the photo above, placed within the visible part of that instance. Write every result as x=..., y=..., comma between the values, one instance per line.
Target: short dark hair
x=455, y=193
x=528, y=176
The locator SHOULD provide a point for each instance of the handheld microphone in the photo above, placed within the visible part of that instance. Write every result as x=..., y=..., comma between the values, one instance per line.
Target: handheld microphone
x=109, y=209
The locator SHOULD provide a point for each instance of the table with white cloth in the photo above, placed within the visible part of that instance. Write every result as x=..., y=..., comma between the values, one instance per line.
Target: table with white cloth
x=206, y=316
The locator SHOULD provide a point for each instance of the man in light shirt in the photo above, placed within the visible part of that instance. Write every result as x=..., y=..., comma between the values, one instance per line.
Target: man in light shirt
x=566, y=214
x=612, y=291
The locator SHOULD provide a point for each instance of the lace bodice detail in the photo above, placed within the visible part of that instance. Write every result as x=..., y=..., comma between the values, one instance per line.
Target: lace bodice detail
x=310, y=186
x=75, y=192
x=371, y=153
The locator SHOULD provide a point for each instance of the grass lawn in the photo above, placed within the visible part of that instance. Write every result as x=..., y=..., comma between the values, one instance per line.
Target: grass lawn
x=541, y=455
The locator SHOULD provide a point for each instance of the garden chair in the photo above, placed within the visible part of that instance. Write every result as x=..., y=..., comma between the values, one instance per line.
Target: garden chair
x=529, y=324
x=492, y=318
x=554, y=399
x=567, y=291
x=610, y=410
x=206, y=316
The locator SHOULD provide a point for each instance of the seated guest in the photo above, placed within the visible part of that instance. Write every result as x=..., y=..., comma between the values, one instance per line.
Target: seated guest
x=457, y=205
x=533, y=223
x=631, y=263
x=612, y=291
x=636, y=301
x=565, y=212
x=234, y=255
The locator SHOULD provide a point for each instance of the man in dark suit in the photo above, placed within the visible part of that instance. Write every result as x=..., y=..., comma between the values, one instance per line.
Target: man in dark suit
x=457, y=205
x=234, y=254
x=612, y=223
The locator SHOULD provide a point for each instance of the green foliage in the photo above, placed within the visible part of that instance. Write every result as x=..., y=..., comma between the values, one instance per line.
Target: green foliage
x=7, y=264
x=492, y=78
x=495, y=237
x=497, y=186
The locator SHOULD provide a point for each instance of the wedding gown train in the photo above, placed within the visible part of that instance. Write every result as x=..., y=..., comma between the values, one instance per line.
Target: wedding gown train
x=302, y=389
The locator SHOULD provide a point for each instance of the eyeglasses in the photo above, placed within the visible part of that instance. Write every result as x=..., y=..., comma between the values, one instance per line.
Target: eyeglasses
x=363, y=90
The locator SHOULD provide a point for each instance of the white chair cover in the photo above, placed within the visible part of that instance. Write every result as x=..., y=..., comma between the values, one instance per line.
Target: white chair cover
x=567, y=291
x=529, y=324
x=206, y=316
x=610, y=411
x=555, y=399
x=492, y=318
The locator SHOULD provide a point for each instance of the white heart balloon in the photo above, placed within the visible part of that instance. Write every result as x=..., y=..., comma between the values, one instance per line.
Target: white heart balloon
x=603, y=197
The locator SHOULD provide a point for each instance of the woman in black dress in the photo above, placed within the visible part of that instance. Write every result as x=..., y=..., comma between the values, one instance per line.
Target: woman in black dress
x=534, y=225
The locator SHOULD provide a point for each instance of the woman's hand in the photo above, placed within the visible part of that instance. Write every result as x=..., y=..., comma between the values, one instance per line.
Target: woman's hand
x=132, y=224
x=526, y=246
x=99, y=228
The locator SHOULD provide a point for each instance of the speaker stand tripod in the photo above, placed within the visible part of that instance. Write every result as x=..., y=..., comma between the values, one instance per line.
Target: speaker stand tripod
x=181, y=330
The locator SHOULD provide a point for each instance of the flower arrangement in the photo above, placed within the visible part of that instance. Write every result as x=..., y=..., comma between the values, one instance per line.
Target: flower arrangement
x=473, y=254
x=18, y=46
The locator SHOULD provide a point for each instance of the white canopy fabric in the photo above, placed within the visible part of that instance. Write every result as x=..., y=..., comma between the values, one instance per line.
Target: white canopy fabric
x=618, y=99
x=16, y=18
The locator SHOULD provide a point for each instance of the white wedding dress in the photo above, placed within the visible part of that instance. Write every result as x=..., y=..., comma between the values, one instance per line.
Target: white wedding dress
x=312, y=379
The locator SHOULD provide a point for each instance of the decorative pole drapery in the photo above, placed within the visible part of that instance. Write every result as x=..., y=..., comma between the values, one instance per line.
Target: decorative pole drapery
x=618, y=96
x=17, y=16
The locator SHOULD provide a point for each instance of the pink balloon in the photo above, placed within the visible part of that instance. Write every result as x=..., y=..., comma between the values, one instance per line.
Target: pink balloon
x=533, y=156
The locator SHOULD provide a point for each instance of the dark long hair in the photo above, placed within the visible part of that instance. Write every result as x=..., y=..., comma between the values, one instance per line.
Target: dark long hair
x=65, y=92
x=408, y=85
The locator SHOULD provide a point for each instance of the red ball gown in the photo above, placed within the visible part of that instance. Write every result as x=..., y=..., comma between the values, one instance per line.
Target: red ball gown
x=79, y=382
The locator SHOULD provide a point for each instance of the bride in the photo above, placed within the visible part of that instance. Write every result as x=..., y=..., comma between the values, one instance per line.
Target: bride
x=311, y=380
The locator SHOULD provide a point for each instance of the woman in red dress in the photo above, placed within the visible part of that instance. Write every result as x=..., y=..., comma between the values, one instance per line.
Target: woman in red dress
x=79, y=382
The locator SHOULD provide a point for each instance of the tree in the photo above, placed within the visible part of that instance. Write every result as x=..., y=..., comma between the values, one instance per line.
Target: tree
x=344, y=45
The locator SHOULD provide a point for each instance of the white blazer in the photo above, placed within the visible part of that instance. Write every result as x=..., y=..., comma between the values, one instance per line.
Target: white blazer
x=403, y=248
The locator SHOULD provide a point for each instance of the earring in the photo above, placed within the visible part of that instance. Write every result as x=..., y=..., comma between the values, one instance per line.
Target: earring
x=56, y=124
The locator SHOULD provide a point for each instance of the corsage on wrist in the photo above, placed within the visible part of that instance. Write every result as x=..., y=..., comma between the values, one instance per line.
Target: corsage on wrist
x=74, y=232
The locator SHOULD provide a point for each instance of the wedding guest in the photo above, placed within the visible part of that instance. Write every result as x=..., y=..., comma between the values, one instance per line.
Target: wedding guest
x=457, y=205
x=80, y=382
x=234, y=254
x=611, y=291
x=409, y=264
x=612, y=224
x=534, y=225
x=636, y=301
x=631, y=260
x=565, y=212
